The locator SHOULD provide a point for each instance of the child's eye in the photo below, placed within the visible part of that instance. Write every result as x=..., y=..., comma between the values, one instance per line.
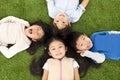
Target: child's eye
x=60, y=46
x=84, y=38
x=63, y=22
x=53, y=49
x=57, y=20
x=81, y=45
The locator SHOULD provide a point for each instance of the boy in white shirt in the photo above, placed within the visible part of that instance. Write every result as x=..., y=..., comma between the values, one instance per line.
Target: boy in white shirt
x=65, y=12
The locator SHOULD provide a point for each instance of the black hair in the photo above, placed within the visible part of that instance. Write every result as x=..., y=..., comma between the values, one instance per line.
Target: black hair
x=84, y=62
x=35, y=45
x=36, y=65
x=61, y=32
x=72, y=38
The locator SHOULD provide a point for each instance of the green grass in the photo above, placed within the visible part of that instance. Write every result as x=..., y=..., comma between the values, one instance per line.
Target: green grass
x=100, y=15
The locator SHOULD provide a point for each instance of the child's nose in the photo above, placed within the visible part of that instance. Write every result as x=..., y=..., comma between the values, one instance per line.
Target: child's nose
x=35, y=31
x=86, y=43
x=58, y=50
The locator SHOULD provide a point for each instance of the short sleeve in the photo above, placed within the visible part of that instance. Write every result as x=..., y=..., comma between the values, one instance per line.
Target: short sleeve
x=77, y=13
x=82, y=8
x=46, y=66
x=75, y=64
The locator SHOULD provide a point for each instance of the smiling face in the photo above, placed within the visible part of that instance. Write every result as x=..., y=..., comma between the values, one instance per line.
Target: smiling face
x=34, y=32
x=61, y=21
x=83, y=43
x=57, y=49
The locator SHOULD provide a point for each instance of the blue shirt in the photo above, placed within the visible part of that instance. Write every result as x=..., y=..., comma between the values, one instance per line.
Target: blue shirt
x=108, y=43
x=71, y=8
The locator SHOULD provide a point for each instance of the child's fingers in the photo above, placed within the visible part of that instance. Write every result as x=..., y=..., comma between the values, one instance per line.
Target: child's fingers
x=81, y=53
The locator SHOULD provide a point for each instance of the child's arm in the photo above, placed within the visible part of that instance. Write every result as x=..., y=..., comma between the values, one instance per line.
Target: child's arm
x=45, y=75
x=51, y=7
x=5, y=51
x=84, y=3
x=76, y=74
x=13, y=19
x=13, y=50
x=97, y=57
x=79, y=11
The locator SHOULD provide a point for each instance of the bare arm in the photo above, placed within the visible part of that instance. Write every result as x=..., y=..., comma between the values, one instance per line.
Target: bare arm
x=76, y=74
x=45, y=75
x=84, y=3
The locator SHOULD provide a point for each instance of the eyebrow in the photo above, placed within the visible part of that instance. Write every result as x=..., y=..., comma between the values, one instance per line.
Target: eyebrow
x=79, y=43
x=82, y=36
x=54, y=46
x=80, y=39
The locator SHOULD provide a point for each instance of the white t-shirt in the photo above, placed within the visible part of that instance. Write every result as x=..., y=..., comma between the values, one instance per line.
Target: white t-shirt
x=71, y=8
x=12, y=32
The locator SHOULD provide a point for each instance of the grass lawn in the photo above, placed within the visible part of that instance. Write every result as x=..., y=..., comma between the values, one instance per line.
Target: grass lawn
x=100, y=15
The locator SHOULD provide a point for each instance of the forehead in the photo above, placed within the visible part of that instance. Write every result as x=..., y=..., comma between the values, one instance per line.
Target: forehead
x=36, y=26
x=80, y=38
x=55, y=43
x=60, y=25
x=57, y=19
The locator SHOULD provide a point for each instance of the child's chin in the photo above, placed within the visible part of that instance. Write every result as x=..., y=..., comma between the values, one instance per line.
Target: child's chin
x=90, y=47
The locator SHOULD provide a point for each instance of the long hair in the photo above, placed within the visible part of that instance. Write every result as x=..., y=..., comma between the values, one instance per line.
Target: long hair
x=36, y=65
x=35, y=45
x=84, y=62
x=61, y=32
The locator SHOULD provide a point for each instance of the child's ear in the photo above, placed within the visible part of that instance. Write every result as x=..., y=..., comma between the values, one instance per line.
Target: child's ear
x=78, y=51
x=66, y=48
x=81, y=53
x=49, y=53
x=69, y=24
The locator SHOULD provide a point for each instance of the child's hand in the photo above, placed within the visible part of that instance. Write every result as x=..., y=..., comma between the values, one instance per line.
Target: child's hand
x=81, y=53
x=26, y=23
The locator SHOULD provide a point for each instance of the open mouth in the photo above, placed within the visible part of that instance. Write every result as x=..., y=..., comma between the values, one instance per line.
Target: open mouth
x=30, y=31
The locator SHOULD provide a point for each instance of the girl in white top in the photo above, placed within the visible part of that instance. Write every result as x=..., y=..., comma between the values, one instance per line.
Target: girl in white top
x=57, y=66
x=65, y=12
x=19, y=33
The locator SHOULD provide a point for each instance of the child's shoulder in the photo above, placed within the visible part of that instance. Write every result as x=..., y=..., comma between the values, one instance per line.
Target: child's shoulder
x=49, y=59
x=69, y=58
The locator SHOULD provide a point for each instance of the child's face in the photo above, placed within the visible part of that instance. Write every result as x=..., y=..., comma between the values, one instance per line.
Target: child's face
x=57, y=49
x=34, y=32
x=61, y=21
x=83, y=43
